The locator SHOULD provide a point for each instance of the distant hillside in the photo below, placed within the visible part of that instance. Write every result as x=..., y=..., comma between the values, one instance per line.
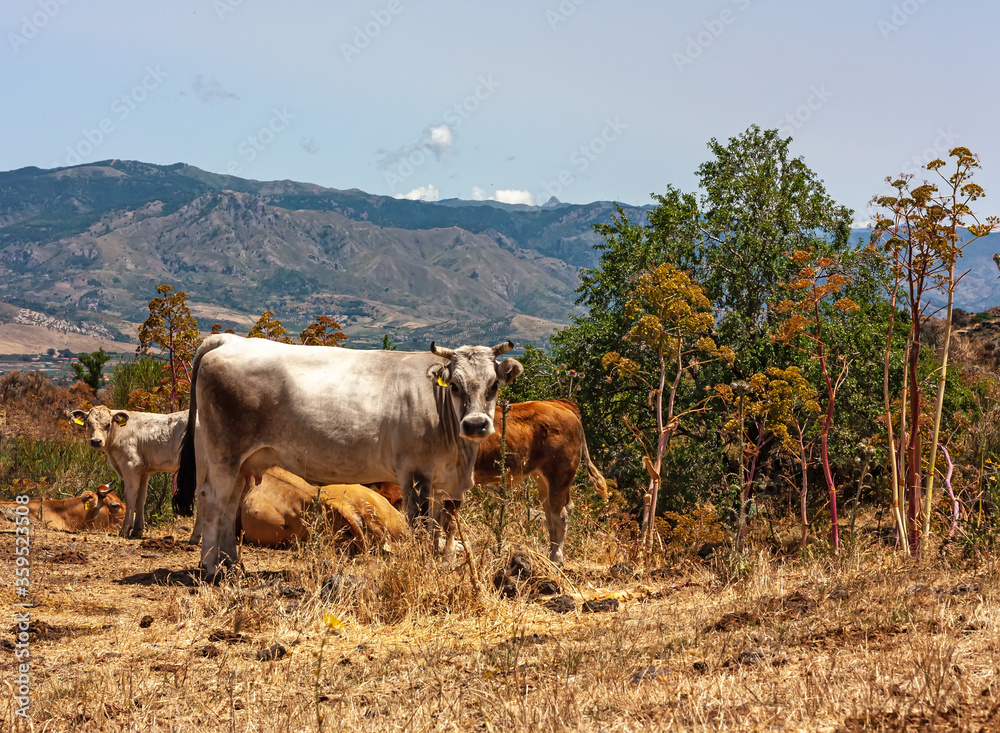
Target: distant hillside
x=90, y=243
x=86, y=247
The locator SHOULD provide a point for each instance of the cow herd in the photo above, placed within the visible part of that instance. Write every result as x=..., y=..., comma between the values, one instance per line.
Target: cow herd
x=276, y=431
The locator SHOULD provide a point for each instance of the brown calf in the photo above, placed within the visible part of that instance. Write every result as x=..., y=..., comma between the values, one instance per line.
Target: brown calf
x=544, y=440
x=99, y=509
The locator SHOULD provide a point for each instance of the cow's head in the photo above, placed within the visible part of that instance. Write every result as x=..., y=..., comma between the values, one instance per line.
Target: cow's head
x=99, y=422
x=93, y=501
x=472, y=376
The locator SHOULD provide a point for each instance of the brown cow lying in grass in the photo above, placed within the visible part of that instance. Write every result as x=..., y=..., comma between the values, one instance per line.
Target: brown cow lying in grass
x=99, y=509
x=278, y=511
x=545, y=440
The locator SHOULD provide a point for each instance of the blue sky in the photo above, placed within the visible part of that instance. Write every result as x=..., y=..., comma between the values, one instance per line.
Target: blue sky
x=519, y=100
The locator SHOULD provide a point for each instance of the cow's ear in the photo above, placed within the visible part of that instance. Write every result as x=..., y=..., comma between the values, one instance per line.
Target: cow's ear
x=103, y=490
x=440, y=373
x=508, y=370
x=120, y=418
x=78, y=416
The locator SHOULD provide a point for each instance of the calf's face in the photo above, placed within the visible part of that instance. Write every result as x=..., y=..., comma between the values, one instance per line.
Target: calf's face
x=99, y=422
x=93, y=501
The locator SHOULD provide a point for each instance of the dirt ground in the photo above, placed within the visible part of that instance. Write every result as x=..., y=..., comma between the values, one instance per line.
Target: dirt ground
x=124, y=637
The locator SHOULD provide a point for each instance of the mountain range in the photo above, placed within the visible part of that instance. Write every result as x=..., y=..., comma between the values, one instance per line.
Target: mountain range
x=90, y=243
x=87, y=245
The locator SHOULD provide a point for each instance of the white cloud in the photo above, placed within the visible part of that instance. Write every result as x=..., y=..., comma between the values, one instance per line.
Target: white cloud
x=504, y=196
x=441, y=138
x=514, y=196
x=867, y=224
x=422, y=193
x=435, y=142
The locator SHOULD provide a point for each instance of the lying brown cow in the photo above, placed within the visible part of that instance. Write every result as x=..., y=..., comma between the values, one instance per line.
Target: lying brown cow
x=277, y=511
x=99, y=509
x=545, y=440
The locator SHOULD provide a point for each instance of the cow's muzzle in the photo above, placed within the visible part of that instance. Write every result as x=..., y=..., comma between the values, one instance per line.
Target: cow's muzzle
x=476, y=427
x=96, y=442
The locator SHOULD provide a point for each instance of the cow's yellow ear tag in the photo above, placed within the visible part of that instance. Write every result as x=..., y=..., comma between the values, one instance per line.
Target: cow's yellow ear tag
x=86, y=506
x=78, y=420
x=442, y=383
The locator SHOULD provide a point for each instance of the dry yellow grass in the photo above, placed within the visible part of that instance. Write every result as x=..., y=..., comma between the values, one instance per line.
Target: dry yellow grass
x=863, y=642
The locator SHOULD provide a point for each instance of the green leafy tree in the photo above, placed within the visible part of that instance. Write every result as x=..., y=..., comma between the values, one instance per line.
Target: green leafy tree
x=759, y=204
x=387, y=344
x=627, y=250
x=672, y=321
x=270, y=328
x=90, y=368
x=783, y=404
x=170, y=333
x=137, y=384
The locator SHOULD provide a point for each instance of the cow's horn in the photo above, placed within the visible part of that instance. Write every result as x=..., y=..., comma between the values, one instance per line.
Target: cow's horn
x=441, y=351
x=503, y=347
x=103, y=490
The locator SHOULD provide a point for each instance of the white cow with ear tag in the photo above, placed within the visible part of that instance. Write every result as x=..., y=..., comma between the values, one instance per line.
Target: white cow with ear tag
x=137, y=444
x=333, y=416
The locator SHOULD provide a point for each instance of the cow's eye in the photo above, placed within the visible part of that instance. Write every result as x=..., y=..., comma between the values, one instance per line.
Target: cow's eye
x=454, y=388
x=493, y=389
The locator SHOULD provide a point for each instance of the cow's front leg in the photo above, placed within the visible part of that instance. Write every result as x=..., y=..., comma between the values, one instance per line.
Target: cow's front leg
x=135, y=486
x=449, y=524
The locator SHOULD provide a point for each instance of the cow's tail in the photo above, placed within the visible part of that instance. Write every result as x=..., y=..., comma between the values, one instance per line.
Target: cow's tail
x=596, y=477
x=187, y=473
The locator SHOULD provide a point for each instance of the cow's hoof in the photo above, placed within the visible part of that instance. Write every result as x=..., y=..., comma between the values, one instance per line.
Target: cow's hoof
x=222, y=573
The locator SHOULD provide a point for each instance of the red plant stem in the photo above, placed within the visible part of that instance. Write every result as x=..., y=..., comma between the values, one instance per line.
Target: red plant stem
x=951, y=493
x=831, y=394
x=913, y=448
x=805, y=487
x=750, y=474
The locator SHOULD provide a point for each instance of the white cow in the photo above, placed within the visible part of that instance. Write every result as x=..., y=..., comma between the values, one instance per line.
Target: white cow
x=333, y=416
x=137, y=444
